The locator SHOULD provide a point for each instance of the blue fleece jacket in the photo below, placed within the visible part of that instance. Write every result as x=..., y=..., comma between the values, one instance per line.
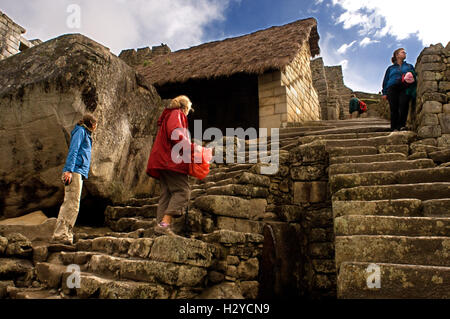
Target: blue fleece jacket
x=79, y=156
x=394, y=74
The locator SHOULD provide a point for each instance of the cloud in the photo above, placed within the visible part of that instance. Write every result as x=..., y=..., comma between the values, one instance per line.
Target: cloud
x=120, y=24
x=343, y=48
x=366, y=41
x=426, y=19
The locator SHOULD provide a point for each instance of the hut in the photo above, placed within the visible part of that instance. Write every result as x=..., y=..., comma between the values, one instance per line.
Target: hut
x=259, y=80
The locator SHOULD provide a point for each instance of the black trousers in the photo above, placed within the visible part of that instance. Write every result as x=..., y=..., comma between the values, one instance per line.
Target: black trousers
x=399, y=105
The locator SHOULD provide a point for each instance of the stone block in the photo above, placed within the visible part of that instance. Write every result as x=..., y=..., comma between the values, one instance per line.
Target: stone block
x=434, y=96
x=444, y=121
x=444, y=86
x=432, y=58
x=239, y=225
x=318, y=192
x=446, y=108
x=266, y=93
x=307, y=173
x=432, y=67
x=266, y=110
x=432, y=76
x=444, y=141
x=141, y=247
x=302, y=192
x=182, y=250
x=429, y=119
x=313, y=192
x=432, y=107
x=429, y=131
x=250, y=289
x=427, y=86
x=248, y=270
x=321, y=250
x=280, y=108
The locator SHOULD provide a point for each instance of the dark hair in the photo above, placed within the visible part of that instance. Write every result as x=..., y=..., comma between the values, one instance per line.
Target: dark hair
x=394, y=55
x=89, y=120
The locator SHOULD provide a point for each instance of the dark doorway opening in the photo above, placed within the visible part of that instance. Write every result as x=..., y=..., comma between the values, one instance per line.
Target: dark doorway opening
x=225, y=102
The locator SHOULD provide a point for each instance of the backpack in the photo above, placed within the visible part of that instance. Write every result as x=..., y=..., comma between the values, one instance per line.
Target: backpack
x=362, y=106
x=200, y=170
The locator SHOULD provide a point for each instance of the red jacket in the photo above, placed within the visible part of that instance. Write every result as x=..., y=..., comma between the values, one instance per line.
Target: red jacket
x=160, y=155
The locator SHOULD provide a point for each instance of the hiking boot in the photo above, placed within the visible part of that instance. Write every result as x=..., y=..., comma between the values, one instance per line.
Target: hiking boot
x=164, y=229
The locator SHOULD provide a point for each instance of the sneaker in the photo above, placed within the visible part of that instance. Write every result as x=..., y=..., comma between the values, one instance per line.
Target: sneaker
x=164, y=229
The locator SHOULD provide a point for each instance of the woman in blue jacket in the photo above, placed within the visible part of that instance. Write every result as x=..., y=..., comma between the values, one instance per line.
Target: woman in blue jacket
x=75, y=170
x=395, y=89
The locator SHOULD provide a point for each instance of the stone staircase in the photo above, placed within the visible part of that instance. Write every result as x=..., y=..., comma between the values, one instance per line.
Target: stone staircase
x=392, y=212
x=389, y=199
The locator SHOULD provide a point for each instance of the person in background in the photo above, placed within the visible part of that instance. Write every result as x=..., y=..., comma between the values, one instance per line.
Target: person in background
x=354, y=108
x=171, y=172
x=398, y=82
x=75, y=170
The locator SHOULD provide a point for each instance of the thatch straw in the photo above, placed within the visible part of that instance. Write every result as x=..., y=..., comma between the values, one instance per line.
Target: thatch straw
x=255, y=53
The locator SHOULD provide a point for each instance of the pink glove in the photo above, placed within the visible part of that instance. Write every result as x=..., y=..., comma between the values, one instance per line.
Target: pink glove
x=409, y=78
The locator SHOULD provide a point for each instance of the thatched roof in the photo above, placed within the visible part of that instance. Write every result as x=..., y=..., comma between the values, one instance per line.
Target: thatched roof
x=254, y=53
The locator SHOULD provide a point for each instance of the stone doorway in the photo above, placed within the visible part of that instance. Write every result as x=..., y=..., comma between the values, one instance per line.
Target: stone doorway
x=225, y=102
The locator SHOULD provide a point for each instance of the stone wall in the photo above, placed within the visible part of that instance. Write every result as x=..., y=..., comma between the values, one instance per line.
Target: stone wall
x=288, y=95
x=431, y=117
x=339, y=94
x=321, y=85
x=299, y=196
x=143, y=56
x=11, y=39
x=333, y=95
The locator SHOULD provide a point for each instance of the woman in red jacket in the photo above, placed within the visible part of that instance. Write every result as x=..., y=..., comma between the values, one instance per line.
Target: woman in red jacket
x=166, y=162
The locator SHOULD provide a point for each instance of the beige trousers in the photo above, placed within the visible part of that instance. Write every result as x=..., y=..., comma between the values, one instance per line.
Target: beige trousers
x=68, y=212
x=175, y=194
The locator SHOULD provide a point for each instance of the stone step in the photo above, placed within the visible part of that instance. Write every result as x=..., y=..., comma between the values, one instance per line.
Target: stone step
x=341, y=136
x=429, y=251
x=422, y=191
x=386, y=157
x=33, y=293
x=425, y=175
x=395, y=138
x=326, y=130
x=347, y=122
x=437, y=207
x=222, y=175
x=352, y=151
x=440, y=156
x=138, y=202
x=117, y=212
x=11, y=268
x=96, y=286
x=239, y=190
x=389, y=225
x=396, y=281
x=391, y=166
x=150, y=271
x=129, y=224
x=231, y=206
x=385, y=207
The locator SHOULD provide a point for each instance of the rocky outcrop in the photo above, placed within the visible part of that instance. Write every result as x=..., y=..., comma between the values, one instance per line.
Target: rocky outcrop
x=43, y=93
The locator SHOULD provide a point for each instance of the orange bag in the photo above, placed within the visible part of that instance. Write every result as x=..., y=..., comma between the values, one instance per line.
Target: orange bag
x=200, y=170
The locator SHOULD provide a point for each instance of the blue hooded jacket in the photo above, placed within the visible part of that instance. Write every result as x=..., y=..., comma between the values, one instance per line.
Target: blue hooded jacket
x=394, y=74
x=79, y=157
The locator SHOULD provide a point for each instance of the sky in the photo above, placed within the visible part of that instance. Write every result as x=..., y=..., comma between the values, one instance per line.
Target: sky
x=359, y=35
